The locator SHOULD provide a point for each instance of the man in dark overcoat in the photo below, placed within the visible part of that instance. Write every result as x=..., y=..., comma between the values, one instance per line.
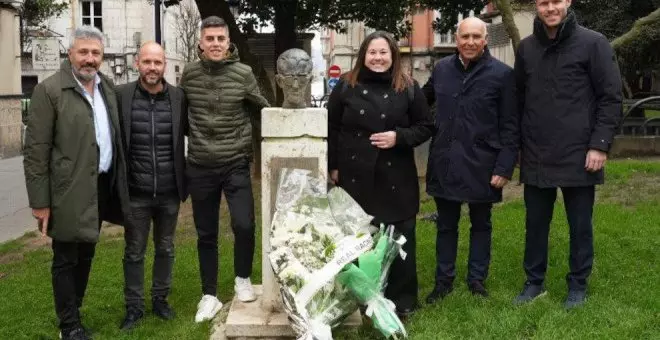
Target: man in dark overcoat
x=473, y=152
x=74, y=169
x=569, y=89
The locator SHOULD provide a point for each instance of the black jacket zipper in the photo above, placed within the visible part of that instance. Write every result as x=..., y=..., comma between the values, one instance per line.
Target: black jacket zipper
x=153, y=146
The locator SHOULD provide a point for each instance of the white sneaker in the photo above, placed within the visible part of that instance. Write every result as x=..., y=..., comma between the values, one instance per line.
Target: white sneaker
x=207, y=308
x=244, y=290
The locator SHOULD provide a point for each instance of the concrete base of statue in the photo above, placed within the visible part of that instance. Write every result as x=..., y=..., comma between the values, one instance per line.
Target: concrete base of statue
x=251, y=321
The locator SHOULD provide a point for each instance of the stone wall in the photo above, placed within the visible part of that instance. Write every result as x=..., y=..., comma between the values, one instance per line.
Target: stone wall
x=10, y=71
x=11, y=127
x=635, y=146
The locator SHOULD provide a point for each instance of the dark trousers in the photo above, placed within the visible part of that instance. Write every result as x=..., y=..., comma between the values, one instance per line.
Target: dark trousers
x=539, y=204
x=402, y=279
x=163, y=211
x=446, y=244
x=72, y=262
x=206, y=186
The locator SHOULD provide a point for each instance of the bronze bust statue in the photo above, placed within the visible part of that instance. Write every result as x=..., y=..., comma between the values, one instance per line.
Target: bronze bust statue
x=294, y=75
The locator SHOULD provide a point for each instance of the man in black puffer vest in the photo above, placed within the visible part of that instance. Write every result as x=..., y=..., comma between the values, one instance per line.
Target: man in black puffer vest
x=154, y=118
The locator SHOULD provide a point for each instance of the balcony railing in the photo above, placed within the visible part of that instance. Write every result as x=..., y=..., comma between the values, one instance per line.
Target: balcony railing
x=444, y=40
x=404, y=42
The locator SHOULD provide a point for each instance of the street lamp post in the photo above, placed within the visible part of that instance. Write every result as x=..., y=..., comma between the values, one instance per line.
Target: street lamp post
x=157, y=20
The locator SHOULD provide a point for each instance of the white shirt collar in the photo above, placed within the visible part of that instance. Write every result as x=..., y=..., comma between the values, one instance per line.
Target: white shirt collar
x=97, y=80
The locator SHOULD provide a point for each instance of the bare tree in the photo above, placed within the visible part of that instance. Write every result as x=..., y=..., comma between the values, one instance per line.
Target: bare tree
x=186, y=26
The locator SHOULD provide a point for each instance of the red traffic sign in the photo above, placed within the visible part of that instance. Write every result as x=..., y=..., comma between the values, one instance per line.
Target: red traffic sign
x=334, y=71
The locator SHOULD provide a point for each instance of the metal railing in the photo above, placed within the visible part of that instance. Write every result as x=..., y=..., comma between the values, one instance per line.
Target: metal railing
x=640, y=125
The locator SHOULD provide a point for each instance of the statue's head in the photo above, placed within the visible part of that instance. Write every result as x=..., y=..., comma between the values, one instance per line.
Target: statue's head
x=294, y=75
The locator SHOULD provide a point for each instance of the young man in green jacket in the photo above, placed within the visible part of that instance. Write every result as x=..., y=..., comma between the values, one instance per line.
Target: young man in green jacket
x=222, y=93
x=74, y=169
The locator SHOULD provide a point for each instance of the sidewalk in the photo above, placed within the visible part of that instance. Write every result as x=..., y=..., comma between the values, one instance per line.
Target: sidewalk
x=15, y=215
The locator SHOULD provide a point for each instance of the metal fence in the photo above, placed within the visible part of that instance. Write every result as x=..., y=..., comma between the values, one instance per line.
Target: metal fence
x=636, y=120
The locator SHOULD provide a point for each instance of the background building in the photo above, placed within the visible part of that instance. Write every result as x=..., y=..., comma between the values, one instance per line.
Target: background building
x=126, y=24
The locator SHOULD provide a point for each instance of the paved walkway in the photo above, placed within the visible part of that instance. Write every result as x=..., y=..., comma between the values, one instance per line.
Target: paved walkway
x=15, y=215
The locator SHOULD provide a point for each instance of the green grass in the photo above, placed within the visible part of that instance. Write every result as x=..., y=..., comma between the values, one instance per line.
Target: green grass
x=624, y=301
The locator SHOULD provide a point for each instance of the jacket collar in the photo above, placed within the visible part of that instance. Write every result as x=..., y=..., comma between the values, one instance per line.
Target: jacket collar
x=566, y=28
x=232, y=57
x=69, y=81
x=159, y=95
x=474, y=63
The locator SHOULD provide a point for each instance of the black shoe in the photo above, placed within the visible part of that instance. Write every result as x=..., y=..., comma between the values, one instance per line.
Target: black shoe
x=477, y=288
x=439, y=292
x=404, y=312
x=406, y=306
x=77, y=333
x=132, y=318
x=529, y=293
x=162, y=309
x=575, y=298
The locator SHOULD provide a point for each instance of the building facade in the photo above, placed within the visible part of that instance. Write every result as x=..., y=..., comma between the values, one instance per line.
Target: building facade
x=10, y=72
x=11, y=127
x=126, y=24
x=420, y=49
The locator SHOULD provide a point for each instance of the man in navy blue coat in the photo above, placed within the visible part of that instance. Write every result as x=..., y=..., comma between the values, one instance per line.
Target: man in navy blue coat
x=473, y=151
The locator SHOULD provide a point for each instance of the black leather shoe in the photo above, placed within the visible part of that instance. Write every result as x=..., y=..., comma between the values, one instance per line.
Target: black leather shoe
x=406, y=305
x=405, y=312
x=439, y=292
x=77, y=333
x=163, y=310
x=478, y=288
x=131, y=319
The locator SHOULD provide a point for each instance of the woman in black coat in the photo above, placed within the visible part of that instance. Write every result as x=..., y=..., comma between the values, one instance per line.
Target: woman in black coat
x=377, y=116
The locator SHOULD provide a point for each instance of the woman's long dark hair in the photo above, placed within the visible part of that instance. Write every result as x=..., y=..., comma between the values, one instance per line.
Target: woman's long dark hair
x=400, y=80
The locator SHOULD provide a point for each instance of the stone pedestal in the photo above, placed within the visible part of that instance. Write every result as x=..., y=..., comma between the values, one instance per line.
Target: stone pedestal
x=292, y=138
x=251, y=321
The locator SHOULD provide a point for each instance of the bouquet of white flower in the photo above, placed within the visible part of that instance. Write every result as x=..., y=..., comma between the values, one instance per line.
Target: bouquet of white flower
x=313, y=236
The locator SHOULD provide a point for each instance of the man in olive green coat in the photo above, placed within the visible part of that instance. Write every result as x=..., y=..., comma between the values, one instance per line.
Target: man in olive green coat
x=74, y=169
x=222, y=94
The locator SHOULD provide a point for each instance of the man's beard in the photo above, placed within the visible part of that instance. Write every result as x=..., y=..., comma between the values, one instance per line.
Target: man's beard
x=151, y=81
x=85, y=76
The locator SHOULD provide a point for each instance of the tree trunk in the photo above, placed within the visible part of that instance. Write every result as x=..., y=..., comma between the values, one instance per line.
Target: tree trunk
x=220, y=8
x=285, y=34
x=504, y=6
